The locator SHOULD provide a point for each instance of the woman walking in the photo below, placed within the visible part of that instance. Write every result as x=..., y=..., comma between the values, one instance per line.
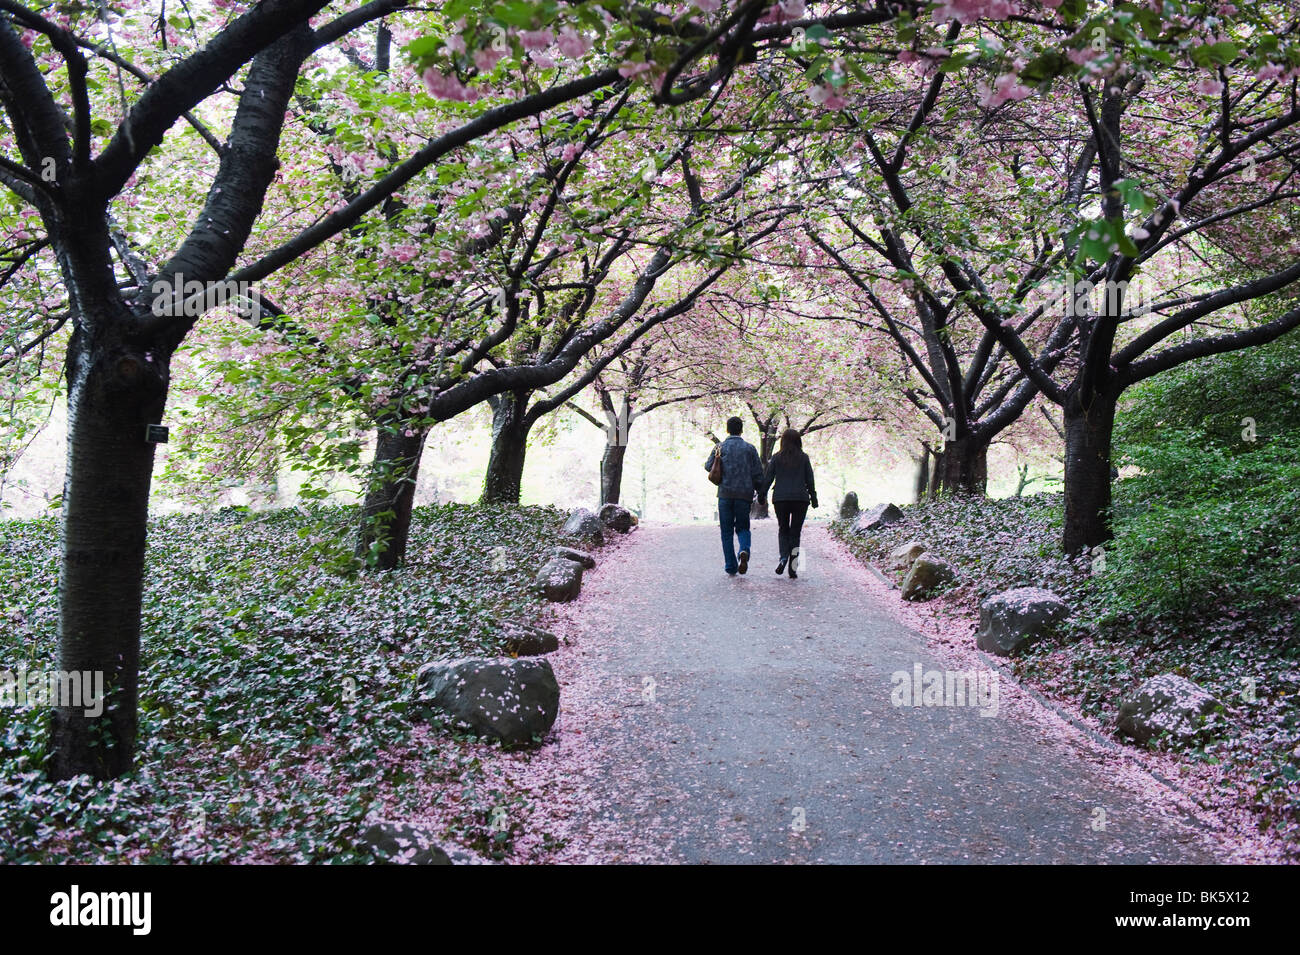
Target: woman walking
x=792, y=473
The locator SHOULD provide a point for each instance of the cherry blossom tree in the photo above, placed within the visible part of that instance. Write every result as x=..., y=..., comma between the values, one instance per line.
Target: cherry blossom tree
x=1129, y=196
x=96, y=105
x=710, y=230
x=61, y=105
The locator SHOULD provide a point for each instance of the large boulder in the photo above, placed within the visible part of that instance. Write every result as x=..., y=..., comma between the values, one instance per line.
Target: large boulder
x=583, y=523
x=927, y=574
x=904, y=555
x=1167, y=703
x=509, y=700
x=400, y=843
x=1013, y=619
x=849, y=506
x=524, y=640
x=559, y=580
x=882, y=515
x=588, y=561
x=617, y=518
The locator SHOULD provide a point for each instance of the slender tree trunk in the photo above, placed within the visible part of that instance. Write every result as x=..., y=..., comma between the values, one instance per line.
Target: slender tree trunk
x=1088, y=433
x=386, y=515
x=611, y=473
x=1023, y=483
x=766, y=446
x=962, y=467
x=115, y=388
x=923, y=474
x=505, y=471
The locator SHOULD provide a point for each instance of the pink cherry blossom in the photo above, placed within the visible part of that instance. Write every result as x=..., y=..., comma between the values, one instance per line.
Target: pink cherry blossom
x=487, y=58
x=826, y=96
x=536, y=39
x=968, y=11
x=443, y=86
x=573, y=44
x=1005, y=87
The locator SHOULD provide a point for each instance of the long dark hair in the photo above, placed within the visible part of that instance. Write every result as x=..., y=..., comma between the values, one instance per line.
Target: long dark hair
x=791, y=447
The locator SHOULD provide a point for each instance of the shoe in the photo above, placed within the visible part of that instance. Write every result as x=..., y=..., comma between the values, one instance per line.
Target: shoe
x=794, y=559
x=780, y=568
x=744, y=561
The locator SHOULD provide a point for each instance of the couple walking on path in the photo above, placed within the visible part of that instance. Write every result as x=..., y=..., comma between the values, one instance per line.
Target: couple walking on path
x=735, y=467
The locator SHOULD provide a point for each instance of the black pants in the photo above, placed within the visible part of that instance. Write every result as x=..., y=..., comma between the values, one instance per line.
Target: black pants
x=789, y=522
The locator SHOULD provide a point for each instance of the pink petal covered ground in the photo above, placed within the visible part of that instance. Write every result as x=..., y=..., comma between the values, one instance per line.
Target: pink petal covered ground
x=948, y=625
x=567, y=813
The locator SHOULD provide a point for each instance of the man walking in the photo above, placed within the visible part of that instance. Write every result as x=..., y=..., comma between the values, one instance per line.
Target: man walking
x=742, y=476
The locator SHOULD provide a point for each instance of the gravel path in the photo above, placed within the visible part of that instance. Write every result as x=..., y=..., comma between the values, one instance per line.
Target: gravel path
x=749, y=719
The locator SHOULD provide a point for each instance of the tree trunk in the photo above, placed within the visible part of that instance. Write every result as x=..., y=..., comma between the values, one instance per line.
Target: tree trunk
x=1087, y=472
x=1023, y=483
x=386, y=514
x=922, y=489
x=936, y=469
x=766, y=446
x=962, y=467
x=505, y=470
x=115, y=388
x=611, y=473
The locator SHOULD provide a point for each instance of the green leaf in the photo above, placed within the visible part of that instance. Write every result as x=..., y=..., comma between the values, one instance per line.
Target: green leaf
x=1043, y=68
x=958, y=61
x=519, y=13
x=422, y=48
x=1134, y=196
x=1074, y=10
x=1211, y=54
x=453, y=10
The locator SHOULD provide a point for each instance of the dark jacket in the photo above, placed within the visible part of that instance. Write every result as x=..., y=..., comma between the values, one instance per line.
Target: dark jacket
x=742, y=471
x=794, y=482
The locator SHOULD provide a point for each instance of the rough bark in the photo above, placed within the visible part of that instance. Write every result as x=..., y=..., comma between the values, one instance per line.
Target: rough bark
x=611, y=473
x=510, y=427
x=962, y=467
x=1088, y=431
x=117, y=372
x=115, y=388
x=386, y=514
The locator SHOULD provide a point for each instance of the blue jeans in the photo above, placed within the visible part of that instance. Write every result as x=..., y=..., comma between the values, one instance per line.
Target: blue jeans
x=733, y=516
